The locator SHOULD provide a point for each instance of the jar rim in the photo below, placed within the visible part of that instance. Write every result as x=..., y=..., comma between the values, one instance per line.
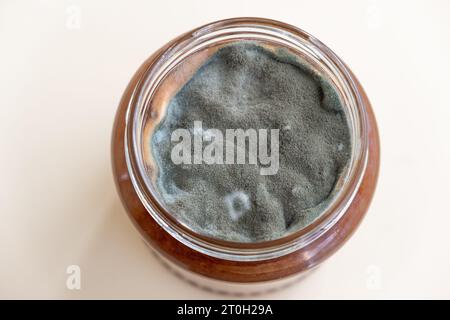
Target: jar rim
x=241, y=29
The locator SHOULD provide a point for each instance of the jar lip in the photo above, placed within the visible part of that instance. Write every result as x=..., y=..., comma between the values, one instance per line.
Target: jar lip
x=240, y=29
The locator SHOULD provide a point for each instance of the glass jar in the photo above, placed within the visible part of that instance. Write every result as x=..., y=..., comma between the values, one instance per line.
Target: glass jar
x=225, y=265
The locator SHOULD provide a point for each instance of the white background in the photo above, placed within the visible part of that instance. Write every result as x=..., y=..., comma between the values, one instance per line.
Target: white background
x=63, y=68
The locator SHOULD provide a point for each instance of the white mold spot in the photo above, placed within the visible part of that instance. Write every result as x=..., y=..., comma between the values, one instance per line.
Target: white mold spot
x=237, y=203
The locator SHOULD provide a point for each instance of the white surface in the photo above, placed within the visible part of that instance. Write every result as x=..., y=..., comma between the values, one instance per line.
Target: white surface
x=60, y=86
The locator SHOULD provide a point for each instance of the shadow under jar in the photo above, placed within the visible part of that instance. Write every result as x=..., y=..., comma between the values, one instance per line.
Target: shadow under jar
x=219, y=263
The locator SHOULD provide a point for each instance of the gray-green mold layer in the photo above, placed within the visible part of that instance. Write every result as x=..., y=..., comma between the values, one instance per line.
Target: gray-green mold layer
x=244, y=85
